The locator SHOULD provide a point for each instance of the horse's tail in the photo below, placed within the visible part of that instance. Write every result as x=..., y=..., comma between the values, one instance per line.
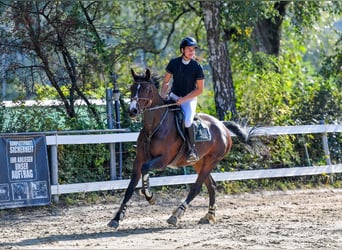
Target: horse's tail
x=243, y=134
x=247, y=136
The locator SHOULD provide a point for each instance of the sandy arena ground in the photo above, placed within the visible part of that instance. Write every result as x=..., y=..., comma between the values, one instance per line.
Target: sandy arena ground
x=264, y=220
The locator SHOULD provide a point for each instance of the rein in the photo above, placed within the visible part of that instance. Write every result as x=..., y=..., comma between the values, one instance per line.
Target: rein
x=160, y=107
x=149, y=133
x=154, y=117
x=150, y=129
x=149, y=100
x=159, y=125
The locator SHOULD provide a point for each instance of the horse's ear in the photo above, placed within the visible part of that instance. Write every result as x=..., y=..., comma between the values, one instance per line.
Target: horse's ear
x=133, y=74
x=147, y=74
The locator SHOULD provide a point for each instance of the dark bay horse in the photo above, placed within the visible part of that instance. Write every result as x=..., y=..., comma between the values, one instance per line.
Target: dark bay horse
x=159, y=145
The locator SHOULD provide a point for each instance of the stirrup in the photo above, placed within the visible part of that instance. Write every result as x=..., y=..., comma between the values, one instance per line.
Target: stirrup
x=192, y=156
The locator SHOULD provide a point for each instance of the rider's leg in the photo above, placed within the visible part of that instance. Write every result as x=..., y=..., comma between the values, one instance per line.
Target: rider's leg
x=192, y=154
x=189, y=109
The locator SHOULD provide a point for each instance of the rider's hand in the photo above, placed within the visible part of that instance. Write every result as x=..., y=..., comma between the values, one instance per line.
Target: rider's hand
x=179, y=101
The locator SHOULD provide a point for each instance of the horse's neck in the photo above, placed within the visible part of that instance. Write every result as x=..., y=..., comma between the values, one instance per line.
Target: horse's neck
x=154, y=119
x=158, y=100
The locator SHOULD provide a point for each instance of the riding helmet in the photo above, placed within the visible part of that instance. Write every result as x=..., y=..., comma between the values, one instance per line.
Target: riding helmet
x=188, y=41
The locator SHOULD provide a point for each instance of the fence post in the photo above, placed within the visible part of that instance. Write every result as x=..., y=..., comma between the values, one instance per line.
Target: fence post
x=116, y=95
x=326, y=146
x=54, y=169
x=110, y=122
x=327, y=152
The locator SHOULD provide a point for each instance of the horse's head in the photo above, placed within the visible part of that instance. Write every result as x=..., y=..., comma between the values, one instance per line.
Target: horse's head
x=143, y=93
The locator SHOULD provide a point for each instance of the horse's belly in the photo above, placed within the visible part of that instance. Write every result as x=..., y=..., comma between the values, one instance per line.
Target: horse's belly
x=172, y=166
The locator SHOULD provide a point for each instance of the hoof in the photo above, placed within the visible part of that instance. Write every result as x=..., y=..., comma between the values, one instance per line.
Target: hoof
x=151, y=200
x=113, y=224
x=207, y=219
x=141, y=193
x=172, y=220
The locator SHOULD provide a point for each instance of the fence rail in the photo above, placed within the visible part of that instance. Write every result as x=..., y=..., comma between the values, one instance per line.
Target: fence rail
x=61, y=139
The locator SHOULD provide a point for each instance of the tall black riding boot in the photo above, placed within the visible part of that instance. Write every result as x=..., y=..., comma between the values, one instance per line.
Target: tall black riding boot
x=192, y=154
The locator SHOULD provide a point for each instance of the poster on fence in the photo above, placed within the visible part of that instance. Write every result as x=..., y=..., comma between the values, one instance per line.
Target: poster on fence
x=24, y=171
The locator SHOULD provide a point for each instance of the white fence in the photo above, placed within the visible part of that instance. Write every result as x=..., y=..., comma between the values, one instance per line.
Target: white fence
x=54, y=140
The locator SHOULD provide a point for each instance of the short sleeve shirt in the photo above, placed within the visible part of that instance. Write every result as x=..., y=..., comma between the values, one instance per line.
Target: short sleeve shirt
x=184, y=75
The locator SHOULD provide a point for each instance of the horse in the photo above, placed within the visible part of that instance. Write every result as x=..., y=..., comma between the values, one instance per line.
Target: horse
x=160, y=145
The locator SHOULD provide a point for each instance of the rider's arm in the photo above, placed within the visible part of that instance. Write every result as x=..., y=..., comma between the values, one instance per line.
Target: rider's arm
x=196, y=92
x=165, y=85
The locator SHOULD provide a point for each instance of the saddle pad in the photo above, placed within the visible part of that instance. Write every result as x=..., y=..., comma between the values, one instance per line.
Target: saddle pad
x=202, y=132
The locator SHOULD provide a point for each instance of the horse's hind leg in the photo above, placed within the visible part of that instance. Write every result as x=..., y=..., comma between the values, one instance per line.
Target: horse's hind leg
x=210, y=217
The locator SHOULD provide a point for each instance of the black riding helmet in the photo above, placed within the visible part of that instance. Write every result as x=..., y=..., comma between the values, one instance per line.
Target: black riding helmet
x=188, y=41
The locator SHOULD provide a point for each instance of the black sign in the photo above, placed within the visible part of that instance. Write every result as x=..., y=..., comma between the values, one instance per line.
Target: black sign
x=24, y=172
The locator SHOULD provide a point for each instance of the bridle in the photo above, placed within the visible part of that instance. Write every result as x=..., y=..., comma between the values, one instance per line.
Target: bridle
x=138, y=99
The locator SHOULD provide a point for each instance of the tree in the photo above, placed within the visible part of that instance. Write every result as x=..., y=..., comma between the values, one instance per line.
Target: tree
x=267, y=30
x=45, y=34
x=219, y=60
x=61, y=43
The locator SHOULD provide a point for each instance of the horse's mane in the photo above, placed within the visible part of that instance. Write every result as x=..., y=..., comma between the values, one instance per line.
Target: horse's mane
x=155, y=79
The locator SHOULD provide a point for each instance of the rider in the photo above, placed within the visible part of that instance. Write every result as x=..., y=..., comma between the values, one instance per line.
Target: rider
x=188, y=83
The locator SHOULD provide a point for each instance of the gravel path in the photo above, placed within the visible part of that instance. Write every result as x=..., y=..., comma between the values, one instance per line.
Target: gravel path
x=265, y=220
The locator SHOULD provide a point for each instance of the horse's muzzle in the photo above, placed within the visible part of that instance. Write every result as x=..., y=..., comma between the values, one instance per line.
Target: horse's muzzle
x=133, y=112
x=133, y=109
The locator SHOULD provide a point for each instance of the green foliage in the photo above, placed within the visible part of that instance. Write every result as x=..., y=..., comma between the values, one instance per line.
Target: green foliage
x=83, y=163
x=31, y=119
x=284, y=90
x=206, y=102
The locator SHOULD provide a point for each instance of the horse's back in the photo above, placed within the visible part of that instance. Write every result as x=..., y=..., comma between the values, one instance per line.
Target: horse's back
x=220, y=135
x=213, y=123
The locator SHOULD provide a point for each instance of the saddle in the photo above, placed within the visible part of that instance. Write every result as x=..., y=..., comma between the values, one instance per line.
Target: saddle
x=202, y=132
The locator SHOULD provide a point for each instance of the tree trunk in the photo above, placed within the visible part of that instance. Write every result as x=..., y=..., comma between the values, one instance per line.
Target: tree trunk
x=219, y=61
x=267, y=32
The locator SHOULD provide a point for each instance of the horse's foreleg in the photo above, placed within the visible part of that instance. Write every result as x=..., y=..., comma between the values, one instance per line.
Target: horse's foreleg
x=145, y=190
x=146, y=168
x=210, y=217
x=128, y=194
